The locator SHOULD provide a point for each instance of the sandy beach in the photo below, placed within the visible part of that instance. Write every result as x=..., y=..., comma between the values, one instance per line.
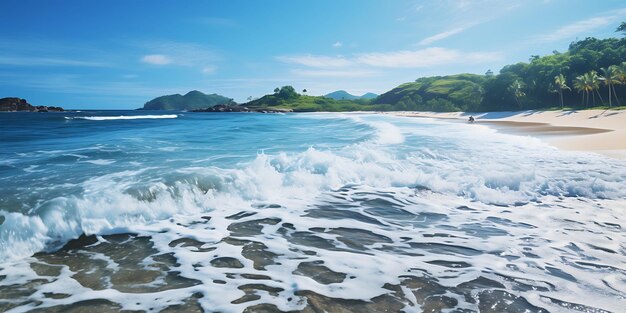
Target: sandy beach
x=601, y=131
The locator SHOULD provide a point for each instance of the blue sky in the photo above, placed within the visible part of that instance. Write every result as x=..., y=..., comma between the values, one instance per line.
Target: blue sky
x=120, y=54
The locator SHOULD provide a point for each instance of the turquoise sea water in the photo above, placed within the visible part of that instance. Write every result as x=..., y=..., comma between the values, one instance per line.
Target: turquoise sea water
x=230, y=212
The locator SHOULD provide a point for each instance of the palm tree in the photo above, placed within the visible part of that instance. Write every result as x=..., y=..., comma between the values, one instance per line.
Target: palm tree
x=561, y=84
x=610, y=78
x=621, y=77
x=621, y=72
x=581, y=85
x=516, y=88
x=594, y=82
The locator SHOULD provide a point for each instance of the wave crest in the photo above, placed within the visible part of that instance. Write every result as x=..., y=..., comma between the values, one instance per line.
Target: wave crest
x=121, y=117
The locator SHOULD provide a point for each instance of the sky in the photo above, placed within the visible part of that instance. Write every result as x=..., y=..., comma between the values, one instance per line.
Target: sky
x=120, y=54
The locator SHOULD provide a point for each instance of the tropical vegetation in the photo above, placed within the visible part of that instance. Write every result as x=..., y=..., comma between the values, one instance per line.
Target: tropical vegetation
x=595, y=68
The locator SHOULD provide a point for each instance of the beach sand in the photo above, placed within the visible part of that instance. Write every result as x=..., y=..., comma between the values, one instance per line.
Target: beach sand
x=601, y=131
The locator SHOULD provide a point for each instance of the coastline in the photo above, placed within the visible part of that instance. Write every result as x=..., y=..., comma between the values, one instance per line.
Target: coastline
x=600, y=131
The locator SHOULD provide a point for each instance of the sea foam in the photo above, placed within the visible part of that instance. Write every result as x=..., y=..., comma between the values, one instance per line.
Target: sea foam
x=449, y=204
x=122, y=117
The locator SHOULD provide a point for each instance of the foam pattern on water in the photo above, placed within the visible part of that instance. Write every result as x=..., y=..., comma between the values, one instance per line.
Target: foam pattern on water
x=413, y=218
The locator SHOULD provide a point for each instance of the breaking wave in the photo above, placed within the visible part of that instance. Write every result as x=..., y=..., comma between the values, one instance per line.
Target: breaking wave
x=121, y=117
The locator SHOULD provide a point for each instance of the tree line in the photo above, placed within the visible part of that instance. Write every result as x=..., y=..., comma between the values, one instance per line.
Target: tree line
x=591, y=72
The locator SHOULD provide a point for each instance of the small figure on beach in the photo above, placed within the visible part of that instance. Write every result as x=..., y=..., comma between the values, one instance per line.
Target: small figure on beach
x=471, y=119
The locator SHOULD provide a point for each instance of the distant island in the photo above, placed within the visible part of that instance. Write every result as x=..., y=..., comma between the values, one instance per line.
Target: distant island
x=193, y=100
x=14, y=104
x=344, y=95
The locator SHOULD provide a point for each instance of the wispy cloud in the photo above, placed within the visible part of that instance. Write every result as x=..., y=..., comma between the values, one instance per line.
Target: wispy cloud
x=156, y=59
x=461, y=6
x=464, y=14
x=421, y=58
x=584, y=26
x=317, y=61
x=208, y=70
x=44, y=61
x=425, y=58
x=442, y=35
x=337, y=44
x=180, y=54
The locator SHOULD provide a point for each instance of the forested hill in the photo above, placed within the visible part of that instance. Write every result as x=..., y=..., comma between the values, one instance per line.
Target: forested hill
x=190, y=101
x=582, y=76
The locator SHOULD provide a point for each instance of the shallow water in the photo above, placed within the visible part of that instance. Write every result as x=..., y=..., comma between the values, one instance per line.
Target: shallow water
x=145, y=211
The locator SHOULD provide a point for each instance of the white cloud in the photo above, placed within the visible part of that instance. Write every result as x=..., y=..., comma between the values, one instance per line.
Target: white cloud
x=337, y=44
x=184, y=54
x=370, y=64
x=316, y=61
x=584, y=26
x=208, y=70
x=424, y=58
x=442, y=35
x=156, y=59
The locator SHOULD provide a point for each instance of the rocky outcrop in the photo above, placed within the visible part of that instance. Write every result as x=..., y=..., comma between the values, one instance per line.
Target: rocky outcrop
x=238, y=108
x=224, y=108
x=21, y=105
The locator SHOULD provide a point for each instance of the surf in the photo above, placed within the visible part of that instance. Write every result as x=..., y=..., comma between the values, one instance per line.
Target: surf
x=121, y=117
x=307, y=212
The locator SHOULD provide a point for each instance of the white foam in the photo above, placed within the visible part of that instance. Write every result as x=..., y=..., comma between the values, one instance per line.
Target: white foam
x=122, y=117
x=480, y=169
x=100, y=162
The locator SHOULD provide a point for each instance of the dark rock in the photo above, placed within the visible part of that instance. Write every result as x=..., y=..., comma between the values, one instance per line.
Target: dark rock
x=14, y=104
x=224, y=108
x=239, y=108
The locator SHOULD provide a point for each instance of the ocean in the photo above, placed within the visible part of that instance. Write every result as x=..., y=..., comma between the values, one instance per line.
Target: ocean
x=246, y=212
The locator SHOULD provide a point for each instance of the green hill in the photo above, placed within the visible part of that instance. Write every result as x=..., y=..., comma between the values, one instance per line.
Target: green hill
x=439, y=93
x=369, y=95
x=191, y=101
x=286, y=98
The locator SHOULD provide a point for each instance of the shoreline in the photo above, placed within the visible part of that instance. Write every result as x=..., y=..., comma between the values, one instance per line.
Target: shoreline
x=599, y=131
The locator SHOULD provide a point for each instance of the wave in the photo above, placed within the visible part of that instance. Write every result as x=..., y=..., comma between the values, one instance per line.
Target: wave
x=451, y=199
x=360, y=190
x=125, y=200
x=122, y=117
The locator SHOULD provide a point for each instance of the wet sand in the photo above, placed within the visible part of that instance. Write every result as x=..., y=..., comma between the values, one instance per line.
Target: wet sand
x=601, y=131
